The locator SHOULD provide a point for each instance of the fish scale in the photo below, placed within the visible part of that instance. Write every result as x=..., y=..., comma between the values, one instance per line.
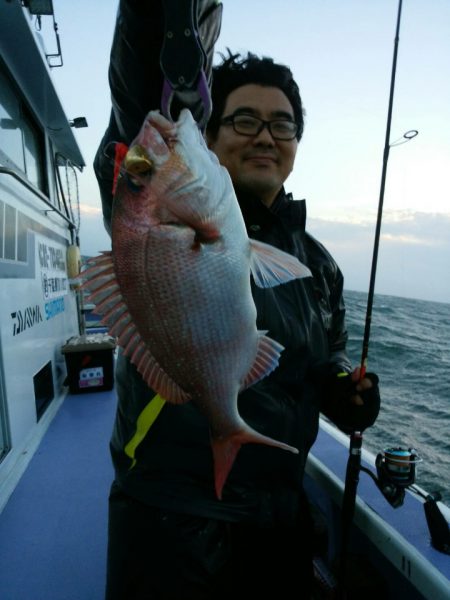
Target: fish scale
x=176, y=288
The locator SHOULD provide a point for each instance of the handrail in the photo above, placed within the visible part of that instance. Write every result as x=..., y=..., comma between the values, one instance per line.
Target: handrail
x=36, y=192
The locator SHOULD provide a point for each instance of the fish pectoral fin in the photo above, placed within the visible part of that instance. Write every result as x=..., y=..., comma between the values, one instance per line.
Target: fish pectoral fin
x=271, y=266
x=267, y=356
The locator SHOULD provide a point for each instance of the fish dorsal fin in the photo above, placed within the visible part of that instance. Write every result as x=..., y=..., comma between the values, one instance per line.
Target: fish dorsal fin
x=266, y=360
x=271, y=266
x=100, y=280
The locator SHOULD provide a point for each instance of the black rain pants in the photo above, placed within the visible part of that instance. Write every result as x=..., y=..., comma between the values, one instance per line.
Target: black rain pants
x=155, y=554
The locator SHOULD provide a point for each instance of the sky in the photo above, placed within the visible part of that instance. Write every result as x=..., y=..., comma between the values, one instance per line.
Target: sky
x=340, y=52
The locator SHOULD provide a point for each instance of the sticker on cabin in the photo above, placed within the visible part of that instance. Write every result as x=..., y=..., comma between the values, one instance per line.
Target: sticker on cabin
x=54, y=281
x=26, y=318
x=92, y=377
x=53, y=270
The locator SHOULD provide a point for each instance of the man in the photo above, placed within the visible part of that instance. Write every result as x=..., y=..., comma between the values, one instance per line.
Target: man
x=169, y=536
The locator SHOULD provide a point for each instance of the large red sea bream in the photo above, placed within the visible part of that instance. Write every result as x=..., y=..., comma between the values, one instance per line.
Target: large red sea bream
x=175, y=289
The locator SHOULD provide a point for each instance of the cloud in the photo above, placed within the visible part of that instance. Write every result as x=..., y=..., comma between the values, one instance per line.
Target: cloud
x=93, y=236
x=417, y=228
x=413, y=255
x=89, y=210
x=407, y=239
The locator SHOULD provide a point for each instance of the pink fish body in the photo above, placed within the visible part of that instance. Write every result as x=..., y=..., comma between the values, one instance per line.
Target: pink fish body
x=176, y=288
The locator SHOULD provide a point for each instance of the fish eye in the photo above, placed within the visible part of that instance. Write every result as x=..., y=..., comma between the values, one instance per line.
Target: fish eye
x=133, y=184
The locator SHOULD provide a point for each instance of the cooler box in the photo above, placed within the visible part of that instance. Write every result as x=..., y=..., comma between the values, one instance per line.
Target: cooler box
x=90, y=363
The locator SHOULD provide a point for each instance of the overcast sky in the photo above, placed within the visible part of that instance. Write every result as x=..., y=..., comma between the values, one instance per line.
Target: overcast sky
x=340, y=52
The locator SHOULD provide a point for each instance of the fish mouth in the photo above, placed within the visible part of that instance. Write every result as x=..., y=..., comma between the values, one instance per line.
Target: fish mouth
x=177, y=224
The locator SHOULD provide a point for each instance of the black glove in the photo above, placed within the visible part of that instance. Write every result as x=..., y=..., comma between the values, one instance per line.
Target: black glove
x=339, y=407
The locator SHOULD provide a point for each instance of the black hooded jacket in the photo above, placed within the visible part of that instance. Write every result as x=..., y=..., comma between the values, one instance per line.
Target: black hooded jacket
x=173, y=465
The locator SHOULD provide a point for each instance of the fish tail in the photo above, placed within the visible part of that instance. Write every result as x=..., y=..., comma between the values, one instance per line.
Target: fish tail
x=226, y=449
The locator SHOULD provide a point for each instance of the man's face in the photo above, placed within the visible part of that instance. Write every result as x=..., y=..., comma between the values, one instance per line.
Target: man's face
x=257, y=164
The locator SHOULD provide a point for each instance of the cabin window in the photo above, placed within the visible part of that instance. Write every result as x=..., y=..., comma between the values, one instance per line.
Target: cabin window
x=44, y=391
x=5, y=444
x=68, y=195
x=33, y=155
x=21, y=142
x=2, y=220
x=11, y=141
x=9, y=251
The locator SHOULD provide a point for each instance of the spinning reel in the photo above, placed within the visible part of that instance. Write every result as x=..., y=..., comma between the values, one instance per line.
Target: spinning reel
x=396, y=471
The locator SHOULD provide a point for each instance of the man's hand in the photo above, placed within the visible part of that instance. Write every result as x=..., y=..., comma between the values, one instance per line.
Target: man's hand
x=352, y=403
x=361, y=385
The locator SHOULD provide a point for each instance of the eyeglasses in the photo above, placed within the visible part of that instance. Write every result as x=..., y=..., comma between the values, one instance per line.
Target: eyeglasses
x=279, y=129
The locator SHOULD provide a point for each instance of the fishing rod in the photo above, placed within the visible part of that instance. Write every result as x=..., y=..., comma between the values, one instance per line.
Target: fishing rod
x=356, y=438
x=371, y=293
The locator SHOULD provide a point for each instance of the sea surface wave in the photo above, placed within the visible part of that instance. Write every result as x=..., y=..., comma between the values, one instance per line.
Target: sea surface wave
x=409, y=349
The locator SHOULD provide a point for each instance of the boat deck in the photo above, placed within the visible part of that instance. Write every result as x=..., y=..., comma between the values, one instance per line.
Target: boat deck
x=53, y=529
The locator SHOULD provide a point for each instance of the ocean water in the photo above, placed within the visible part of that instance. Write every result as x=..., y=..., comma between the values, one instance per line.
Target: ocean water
x=409, y=349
